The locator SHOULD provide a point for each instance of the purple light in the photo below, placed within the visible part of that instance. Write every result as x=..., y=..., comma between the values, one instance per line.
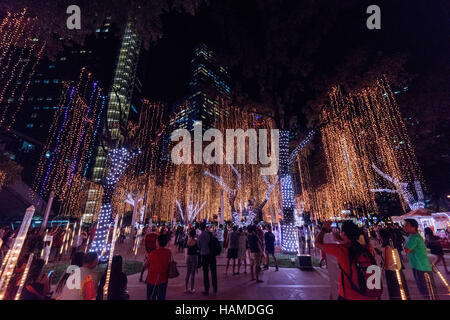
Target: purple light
x=74, y=162
x=58, y=137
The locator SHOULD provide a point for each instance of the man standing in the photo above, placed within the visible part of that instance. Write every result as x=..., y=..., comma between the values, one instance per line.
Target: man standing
x=233, y=247
x=158, y=270
x=418, y=259
x=208, y=260
x=260, y=234
x=255, y=253
x=219, y=235
x=269, y=240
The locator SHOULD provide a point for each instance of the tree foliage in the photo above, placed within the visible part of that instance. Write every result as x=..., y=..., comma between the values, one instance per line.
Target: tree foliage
x=52, y=17
x=9, y=169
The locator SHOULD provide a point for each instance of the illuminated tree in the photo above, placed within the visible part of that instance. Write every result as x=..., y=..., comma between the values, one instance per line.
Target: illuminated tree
x=9, y=170
x=20, y=52
x=191, y=212
x=118, y=141
x=68, y=151
x=232, y=193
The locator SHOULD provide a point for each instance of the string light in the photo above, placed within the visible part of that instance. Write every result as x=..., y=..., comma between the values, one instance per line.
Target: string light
x=24, y=276
x=167, y=182
x=192, y=210
x=365, y=145
x=436, y=270
x=7, y=272
x=19, y=55
x=111, y=254
x=289, y=243
x=120, y=158
x=70, y=143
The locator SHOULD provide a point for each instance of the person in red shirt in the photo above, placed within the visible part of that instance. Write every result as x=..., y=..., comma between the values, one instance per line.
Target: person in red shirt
x=158, y=270
x=150, y=245
x=349, y=246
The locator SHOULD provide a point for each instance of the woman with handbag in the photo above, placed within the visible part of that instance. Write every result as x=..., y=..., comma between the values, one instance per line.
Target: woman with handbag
x=159, y=263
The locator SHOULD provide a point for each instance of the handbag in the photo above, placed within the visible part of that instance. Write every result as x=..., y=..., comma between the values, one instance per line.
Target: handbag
x=173, y=270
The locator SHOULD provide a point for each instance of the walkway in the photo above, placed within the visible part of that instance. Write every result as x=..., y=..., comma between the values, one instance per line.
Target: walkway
x=286, y=284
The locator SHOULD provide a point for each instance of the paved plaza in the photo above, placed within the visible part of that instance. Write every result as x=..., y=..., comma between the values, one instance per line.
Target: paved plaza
x=286, y=284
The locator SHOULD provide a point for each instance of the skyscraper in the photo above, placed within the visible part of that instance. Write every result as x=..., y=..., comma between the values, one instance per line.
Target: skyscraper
x=120, y=98
x=42, y=100
x=209, y=83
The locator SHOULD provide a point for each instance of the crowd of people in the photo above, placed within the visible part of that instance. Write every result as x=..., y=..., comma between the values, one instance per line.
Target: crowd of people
x=355, y=249
x=202, y=244
x=246, y=249
x=37, y=285
x=51, y=245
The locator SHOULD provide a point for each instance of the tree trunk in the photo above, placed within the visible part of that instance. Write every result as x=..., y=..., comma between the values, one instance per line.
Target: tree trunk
x=119, y=158
x=289, y=238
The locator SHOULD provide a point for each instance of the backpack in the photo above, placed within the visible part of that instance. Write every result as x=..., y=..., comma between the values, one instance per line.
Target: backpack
x=214, y=246
x=361, y=262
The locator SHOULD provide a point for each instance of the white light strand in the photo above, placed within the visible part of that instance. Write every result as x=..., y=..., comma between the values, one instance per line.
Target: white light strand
x=300, y=146
x=402, y=189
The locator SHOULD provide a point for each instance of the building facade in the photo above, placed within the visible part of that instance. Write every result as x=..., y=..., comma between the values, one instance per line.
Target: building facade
x=124, y=89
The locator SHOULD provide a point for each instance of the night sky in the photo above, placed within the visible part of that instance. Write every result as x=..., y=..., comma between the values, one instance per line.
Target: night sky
x=415, y=28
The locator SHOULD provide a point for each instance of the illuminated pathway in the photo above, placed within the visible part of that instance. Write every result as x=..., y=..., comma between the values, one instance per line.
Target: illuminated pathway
x=288, y=283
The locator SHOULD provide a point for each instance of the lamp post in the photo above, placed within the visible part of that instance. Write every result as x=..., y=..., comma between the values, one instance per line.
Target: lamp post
x=47, y=211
